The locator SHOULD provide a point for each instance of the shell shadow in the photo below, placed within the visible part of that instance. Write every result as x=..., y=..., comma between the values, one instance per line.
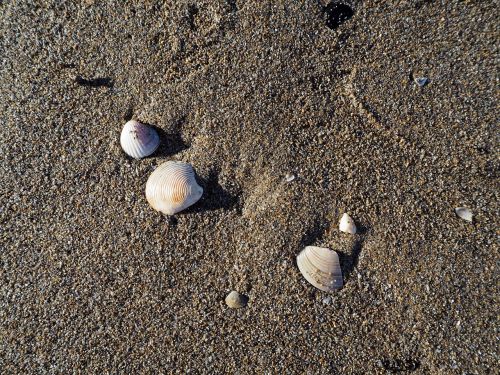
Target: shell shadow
x=313, y=236
x=214, y=197
x=315, y=233
x=170, y=143
x=348, y=262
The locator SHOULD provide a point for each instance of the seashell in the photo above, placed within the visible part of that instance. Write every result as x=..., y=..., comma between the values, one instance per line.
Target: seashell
x=172, y=187
x=139, y=140
x=464, y=213
x=321, y=267
x=421, y=81
x=347, y=225
x=236, y=300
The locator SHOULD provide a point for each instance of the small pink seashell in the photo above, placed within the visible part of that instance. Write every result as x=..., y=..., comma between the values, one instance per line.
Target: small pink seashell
x=139, y=140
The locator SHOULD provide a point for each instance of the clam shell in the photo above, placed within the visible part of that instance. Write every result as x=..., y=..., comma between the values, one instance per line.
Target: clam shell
x=321, y=267
x=347, y=225
x=236, y=300
x=172, y=187
x=464, y=213
x=139, y=140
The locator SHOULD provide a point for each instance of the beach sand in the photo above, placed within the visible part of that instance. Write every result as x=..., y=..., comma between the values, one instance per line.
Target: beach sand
x=94, y=281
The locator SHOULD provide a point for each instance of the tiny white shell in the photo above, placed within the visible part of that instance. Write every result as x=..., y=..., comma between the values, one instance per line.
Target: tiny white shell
x=172, y=187
x=321, y=267
x=464, y=213
x=139, y=140
x=236, y=300
x=347, y=225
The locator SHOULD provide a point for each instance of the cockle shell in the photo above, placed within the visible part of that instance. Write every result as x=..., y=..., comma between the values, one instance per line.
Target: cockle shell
x=139, y=140
x=464, y=213
x=172, y=187
x=321, y=267
x=347, y=225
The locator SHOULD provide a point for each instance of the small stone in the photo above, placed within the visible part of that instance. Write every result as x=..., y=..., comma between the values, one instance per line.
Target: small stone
x=327, y=300
x=289, y=177
x=236, y=300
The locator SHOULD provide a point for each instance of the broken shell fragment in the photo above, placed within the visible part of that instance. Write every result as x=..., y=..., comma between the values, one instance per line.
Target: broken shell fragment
x=321, y=267
x=421, y=81
x=464, y=213
x=347, y=225
x=236, y=300
x=139, y=140
x=172, y=187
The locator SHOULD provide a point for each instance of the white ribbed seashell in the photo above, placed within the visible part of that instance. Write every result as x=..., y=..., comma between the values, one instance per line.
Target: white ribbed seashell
x=321, y=267
x=347, y=225
x=464, y=213
x=172, y=187
x=139, y=140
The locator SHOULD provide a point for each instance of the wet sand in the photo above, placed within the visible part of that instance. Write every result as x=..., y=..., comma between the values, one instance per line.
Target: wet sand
x=95, y=281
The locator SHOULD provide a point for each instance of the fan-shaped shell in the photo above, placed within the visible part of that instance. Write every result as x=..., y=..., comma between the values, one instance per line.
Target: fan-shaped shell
x=172, y=187
x=139, y=140
x=464, y=213
x=347, y=225
x=321, y=267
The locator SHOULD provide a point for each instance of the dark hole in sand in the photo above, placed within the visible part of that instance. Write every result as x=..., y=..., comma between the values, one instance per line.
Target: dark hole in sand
x=337, y=13
x=232, y=6
x=94, y=82
x=397, y=365
x=192, y=13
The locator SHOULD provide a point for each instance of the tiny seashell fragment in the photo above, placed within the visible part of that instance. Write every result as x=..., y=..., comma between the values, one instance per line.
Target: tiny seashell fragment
x=421, y=81
x=236, y=300
x=321, y=267
x=464, y=213
x=139, y=140
x=347, y=225
x=172, y=187
x=289, y=177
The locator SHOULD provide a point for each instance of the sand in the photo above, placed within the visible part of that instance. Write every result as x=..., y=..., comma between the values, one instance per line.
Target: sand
x=94, y=281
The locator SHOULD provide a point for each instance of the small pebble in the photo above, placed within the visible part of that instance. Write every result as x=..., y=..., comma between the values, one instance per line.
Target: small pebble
x=236, y=300
x=327, y=300
x=289, y=177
